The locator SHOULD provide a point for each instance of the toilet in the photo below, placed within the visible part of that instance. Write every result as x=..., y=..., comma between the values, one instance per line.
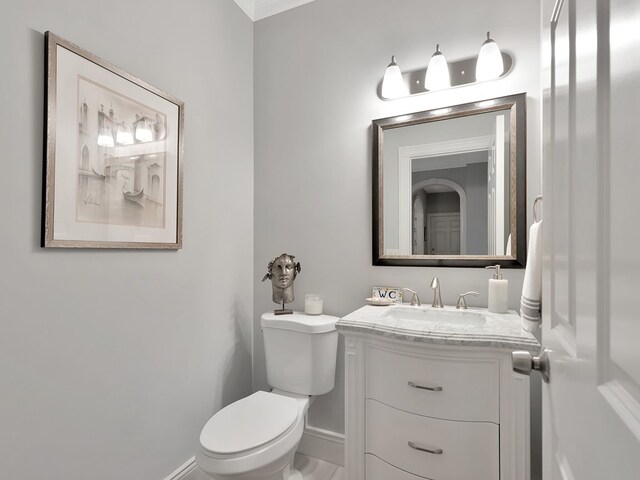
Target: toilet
x=256, y=437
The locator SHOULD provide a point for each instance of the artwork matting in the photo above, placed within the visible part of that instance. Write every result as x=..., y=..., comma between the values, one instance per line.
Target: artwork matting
x=113, y=159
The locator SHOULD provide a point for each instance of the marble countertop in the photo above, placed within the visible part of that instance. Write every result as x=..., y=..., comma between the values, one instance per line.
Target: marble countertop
x=497, y=331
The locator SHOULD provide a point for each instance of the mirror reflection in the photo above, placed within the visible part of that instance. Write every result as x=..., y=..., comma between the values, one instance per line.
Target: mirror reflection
x=453, y=187
x=450, y=185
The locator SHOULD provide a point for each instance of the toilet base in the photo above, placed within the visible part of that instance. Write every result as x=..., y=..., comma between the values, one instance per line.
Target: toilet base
x=294, y=475
x=286, y=472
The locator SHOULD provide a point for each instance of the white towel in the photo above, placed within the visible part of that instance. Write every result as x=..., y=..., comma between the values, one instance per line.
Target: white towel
x=532, y=285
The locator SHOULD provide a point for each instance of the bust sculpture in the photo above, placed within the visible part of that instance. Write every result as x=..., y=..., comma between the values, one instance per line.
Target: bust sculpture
x=282, y=272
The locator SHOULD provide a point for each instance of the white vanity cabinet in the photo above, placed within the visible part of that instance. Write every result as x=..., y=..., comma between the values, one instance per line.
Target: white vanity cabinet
x=441, y=406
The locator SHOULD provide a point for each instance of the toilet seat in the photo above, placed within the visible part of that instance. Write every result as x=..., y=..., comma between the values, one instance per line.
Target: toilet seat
x=222, y=456
x=248, y=424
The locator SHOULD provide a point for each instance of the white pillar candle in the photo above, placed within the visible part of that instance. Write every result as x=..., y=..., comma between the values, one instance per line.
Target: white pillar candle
x=313, y=304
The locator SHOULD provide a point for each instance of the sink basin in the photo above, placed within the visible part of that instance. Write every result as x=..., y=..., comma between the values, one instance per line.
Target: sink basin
x=432, y=315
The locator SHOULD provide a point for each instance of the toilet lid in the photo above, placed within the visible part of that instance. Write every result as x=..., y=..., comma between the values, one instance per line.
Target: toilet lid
x=300, y=322
x=249, y=423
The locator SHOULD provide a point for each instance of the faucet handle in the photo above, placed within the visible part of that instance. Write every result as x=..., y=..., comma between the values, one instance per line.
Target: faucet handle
x=462, y=303
x=415, y=299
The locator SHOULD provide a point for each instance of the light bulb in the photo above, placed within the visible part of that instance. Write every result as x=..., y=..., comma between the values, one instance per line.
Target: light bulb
x=437, y=76
x=490, y=64
x=124, y=135
x=143, y=131
x=392, y=84
x=105, y=137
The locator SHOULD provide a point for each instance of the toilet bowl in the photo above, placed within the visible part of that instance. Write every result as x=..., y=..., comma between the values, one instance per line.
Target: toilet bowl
x=256, y=437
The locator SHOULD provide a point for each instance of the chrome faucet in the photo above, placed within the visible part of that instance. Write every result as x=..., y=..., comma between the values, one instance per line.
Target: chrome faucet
x=415, y=299
x=437, y=300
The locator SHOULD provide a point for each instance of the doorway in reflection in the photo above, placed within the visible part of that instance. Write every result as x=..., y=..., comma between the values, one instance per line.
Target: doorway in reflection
x=441, y=222
x=451, y=204
x=437, y=218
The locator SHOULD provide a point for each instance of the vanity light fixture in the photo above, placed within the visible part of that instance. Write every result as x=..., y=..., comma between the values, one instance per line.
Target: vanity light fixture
x=437, y=76
x=392, y=84
x=490, y=65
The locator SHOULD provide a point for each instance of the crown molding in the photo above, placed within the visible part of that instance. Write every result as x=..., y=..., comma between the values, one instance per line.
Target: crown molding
x=247, y=6
x=259, y=9
x=266, y=8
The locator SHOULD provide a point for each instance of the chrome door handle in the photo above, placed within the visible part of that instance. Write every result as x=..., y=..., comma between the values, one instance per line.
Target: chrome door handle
x=433, y=451
x=523, y=362
x=425, y=387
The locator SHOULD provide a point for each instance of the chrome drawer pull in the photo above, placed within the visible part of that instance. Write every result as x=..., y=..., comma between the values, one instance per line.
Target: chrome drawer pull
x=425, y=387
x=434, y=451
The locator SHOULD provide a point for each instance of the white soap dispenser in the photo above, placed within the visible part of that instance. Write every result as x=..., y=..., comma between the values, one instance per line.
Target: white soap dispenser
x=498, y=292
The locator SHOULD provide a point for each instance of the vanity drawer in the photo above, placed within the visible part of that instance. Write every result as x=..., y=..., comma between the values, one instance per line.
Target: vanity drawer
x=377, y=469
x=449, y=388
x=460, y=450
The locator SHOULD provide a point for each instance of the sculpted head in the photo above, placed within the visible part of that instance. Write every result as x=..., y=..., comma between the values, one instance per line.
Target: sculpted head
x=282, y=271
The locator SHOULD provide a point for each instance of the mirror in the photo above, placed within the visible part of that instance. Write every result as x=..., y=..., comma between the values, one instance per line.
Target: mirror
x=449, y=186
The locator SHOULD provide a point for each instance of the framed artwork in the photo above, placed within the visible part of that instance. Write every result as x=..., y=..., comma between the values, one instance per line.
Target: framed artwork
x=113, y=159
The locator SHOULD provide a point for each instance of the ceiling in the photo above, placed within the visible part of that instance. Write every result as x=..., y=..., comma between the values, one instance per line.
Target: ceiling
x=259, y=9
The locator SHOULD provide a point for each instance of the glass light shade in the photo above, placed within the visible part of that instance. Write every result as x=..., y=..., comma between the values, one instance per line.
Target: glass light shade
x=105, y=137
x=437, y=76
x=143, y=131
x=392, y=84
x=124, y=135
x=490, y=64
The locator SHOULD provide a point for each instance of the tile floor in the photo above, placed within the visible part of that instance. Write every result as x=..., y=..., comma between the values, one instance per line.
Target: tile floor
x=310, y=467
x=315, y=469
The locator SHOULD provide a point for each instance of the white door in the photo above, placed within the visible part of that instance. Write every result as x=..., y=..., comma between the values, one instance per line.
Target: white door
x=443, y=233
x=591, y=211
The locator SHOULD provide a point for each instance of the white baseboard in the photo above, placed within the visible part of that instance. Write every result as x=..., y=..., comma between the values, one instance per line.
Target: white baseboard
x=316, y=442
x=323, y=444
x=188, y=471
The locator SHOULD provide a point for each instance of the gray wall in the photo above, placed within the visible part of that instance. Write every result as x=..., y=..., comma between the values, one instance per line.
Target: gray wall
x=112, y=361
x=448, y=202
x=317, y=68
x=477, y=210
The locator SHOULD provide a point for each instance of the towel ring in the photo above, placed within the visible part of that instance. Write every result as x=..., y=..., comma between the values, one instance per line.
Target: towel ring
x=537, y=200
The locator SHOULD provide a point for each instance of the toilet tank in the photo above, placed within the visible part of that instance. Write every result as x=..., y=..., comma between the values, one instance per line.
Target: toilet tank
x=300, y=351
